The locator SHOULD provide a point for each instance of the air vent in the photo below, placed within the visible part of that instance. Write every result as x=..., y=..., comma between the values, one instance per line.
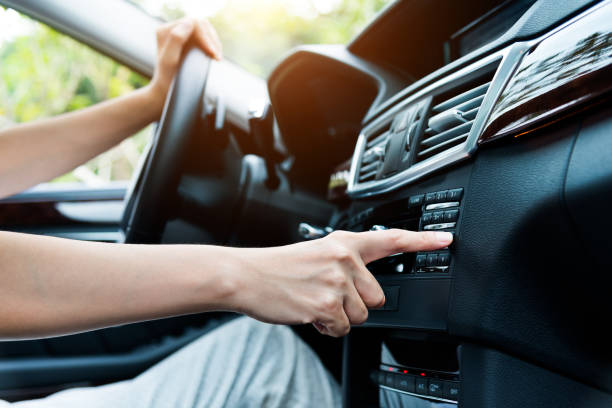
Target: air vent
x=452, y=117
x=374, y=154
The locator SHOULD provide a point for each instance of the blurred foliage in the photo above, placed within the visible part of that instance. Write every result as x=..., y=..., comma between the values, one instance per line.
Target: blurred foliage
x=44, y=73
x=257, y=34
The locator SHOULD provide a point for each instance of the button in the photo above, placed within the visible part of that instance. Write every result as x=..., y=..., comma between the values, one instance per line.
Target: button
x=426, y=218
x=451, y=215
x=421, y=260
x=391, y=297
x=416, y=200
x=451, y=390
x=404, y=382
x=432, y=260
x=435, y=388
x=437, y=217
x=389, y=379
x=381, y=377
x=441, y=196
x=454, y=195
x=420, y=385
x=444, y=259
x=430, y=198
x=440, y=206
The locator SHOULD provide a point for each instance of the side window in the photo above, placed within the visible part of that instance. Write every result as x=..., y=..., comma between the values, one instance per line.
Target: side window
x=44, y=73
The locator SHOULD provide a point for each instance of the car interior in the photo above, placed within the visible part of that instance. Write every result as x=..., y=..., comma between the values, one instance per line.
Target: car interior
x=489, y=119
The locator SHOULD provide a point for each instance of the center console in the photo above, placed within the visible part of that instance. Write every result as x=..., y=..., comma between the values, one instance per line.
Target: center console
x=419, y=366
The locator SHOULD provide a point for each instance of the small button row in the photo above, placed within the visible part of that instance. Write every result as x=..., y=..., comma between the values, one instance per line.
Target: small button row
x=442, y=196
x=432, y=262
x=439, y=217
x=419, y=385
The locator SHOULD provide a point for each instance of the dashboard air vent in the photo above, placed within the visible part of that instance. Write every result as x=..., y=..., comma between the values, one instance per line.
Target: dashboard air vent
x=452, y=117
x=374, y=155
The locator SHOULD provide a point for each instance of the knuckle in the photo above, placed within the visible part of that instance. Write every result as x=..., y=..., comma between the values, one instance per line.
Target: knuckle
x=427, y=238
x=307, y=319
x=344, y=256
x=338, y=236
x=176, y=35
x=336, y=278
x=396, y=237
x=328, y=303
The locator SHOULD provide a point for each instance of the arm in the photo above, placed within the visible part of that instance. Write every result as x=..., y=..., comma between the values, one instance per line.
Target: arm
x=39, y=151
x=53, y=286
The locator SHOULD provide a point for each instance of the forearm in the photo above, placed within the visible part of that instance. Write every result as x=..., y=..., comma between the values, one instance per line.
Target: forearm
x=41, y=150
x=54, y=286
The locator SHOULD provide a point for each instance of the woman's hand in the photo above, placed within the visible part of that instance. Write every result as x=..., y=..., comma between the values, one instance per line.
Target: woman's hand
x=325, y=281
x=173, y=39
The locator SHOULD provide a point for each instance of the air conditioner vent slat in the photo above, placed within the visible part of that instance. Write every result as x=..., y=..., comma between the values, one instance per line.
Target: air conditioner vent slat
x=470, y=104
x=447, y=135
x=451, y=119
x=378, y=140
x=471, y=114
x=367, y=176
x=465, y=96
x=369, y=167
x=374, y=152
x=443, y=146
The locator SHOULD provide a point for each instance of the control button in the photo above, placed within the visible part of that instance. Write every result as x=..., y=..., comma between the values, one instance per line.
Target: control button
x=378, y=228
x=381, y=377
x=444, y=225
x=437, y=217
x=391, y=297
x=454, y=195
x=389, y=379
x=432, y=260
x=444, y=259
x=404, y=382
x=416, y=200
x=420, y=385
x=426, y=218
x=451, y=390
x=439, y=206
x=441, y=196
x=421, y=260
x=430, y=198
x=451, y=215
x=435, y=388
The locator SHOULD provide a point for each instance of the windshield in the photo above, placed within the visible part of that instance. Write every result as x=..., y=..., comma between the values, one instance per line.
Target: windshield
x=257, y=33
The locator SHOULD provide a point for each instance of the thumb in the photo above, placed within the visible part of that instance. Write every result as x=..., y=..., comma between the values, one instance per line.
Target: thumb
x=373, y=245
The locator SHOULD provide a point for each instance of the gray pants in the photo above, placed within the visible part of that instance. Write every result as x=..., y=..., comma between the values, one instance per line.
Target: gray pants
x=244, y=363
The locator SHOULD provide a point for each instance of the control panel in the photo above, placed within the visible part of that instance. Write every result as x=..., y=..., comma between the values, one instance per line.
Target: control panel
x=433, y=211
x=437, y=386
x=440, y=212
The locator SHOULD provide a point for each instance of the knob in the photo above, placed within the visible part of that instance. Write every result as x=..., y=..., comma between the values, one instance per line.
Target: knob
x=308, y=231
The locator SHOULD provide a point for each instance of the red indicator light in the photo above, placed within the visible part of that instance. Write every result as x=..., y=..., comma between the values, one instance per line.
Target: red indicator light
x=405, y=371
x=390, y=368
x=422, y=374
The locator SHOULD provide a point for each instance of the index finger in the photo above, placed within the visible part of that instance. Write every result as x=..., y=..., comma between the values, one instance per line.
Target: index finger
x=207, y=39
x=373, y=245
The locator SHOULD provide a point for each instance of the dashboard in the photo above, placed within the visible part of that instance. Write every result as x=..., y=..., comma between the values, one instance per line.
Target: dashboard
x=491, y=122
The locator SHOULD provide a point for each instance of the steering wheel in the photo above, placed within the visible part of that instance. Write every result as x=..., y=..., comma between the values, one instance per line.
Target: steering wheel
x=154, y=190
